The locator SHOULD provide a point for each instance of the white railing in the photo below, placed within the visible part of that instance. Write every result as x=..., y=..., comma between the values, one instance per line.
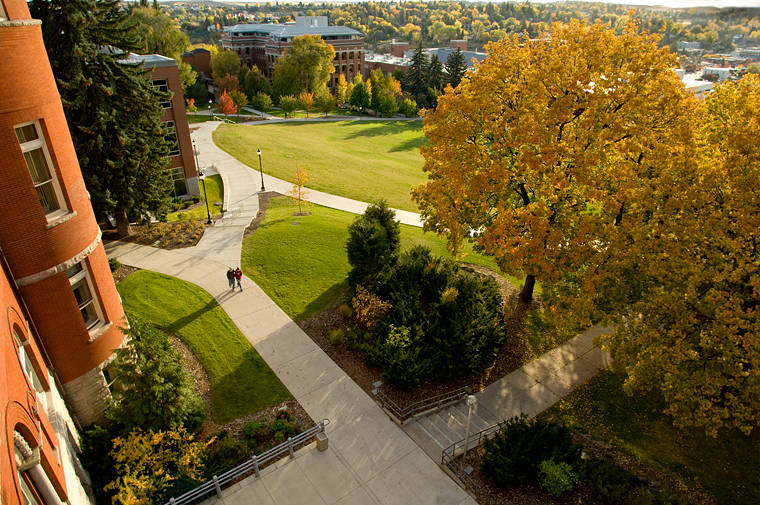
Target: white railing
x=253, y=465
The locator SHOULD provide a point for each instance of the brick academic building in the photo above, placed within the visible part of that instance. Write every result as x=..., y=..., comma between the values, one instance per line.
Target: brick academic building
x=60, y=313
x=262, y=44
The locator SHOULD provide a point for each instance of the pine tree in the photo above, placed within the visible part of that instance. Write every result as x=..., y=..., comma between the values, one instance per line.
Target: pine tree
x=416, y=80
x=455, y=67
x=112, y=110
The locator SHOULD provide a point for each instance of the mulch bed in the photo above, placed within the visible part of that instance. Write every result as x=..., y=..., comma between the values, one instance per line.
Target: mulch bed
x=170, y=235
x=123, y=272
x=263, y=200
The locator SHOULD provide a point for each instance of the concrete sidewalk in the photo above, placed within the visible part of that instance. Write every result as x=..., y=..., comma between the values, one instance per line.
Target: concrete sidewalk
x=242, y=182
x=370, y=460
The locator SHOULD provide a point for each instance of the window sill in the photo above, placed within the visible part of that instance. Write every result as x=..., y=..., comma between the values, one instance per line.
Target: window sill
x=97, y=331
x=56, y=219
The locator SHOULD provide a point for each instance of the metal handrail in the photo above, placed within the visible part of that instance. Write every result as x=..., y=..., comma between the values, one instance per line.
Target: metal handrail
x=449, y=454
x=251, y=465
x=431, y=403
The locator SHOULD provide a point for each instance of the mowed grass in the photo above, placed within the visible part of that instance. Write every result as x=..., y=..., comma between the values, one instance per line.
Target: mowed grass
x=300, y=261
x=215, y=193
x=725, y=467
x=363, y=160
x=241, y=381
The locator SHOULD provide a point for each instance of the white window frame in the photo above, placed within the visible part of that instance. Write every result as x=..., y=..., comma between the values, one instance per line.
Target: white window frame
x=160, y=84
x=84, y=276
x=29, y=370
x=172, y=127
x=41, y=143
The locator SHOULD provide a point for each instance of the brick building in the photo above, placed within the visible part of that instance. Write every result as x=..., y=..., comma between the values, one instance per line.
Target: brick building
x=200, y=60
x=60, y=314
x=262, y=44
x=164, y=75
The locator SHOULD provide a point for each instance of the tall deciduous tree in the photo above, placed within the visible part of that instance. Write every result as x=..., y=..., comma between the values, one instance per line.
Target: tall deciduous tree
x=288, y=104
x=306, y=66
x=695, y=336
x=341, y=90
x=224, y=63
x=113, y=112
x=539, y=155
x=455, y=67
x=157, y=33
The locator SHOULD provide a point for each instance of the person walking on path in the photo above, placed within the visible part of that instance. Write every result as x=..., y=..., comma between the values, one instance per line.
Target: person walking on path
x=238, y=275
x=231, y=278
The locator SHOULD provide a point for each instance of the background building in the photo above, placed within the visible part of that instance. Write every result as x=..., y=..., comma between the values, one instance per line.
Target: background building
x=262, y=44
x=164, y=75
x=60, y=314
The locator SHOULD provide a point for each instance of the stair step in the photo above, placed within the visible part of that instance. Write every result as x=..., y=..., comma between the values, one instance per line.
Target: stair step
x=439, y=429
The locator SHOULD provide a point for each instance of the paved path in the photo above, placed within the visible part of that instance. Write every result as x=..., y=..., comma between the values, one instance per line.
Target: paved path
x=528, y=390
x=370, y=460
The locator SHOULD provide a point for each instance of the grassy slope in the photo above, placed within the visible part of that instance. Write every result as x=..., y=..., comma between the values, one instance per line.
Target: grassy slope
x=357, y=159
x=241, y=382
x=726, y=467
x=300, y=261
x=215, y=193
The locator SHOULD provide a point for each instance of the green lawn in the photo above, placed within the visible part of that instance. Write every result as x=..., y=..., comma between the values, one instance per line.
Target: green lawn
x=300, y=261
x=215, y=193
x=241, y=382
x=363, y=160
x=725, y=467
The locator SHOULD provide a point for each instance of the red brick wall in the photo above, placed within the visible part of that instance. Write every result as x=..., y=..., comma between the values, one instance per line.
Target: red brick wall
x=177, y=114
x=17, y=404
x=29, y=93
x=201, y=61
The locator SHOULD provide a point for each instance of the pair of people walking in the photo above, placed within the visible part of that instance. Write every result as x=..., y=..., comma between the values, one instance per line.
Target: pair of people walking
x=234, y=276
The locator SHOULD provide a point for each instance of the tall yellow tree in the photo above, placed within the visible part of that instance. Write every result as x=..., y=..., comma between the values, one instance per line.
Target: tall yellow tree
x=694, y=334
x=540, y=154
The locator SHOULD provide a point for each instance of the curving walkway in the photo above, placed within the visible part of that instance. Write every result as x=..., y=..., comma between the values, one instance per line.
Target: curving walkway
x=370, y=460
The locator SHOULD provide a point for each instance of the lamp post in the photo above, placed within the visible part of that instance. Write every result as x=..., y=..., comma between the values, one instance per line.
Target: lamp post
x=202, y=177
x=261, y=171
x=209, y=106
x=471, y=401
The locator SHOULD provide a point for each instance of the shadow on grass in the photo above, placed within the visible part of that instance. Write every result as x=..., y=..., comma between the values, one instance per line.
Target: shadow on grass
x=323, y=302
x=378, y=129
x=250, y=387
x=180, y=323
x=409, y=145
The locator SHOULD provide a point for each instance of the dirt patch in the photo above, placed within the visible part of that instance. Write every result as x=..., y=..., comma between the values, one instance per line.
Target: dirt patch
x=123, y=272
x=170, y=235
x=263, y=200
x=194, y=368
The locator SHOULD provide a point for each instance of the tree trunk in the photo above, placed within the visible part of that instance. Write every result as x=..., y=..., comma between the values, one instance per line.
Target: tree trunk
x=122, y=223
x=526, y=295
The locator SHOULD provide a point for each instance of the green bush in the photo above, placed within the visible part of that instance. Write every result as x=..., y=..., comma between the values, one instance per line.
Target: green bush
x=224, y=453
x=337, y=336
x=287, y=428
x=402, y=364
x=408, y=107
x=373, y=244
x=610, y=482
x=114, y=264
x=345, y=310
x=513, y=454
x=556, y=478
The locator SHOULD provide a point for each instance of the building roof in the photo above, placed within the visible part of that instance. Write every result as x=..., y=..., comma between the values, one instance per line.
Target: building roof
x=387, y=58
x=291, y=30
x=151, y=60
x=195, y=51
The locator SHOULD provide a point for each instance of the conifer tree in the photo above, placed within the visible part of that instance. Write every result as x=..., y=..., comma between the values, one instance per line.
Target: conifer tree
x=112, y=110
x=416, y=79
x=455, y=67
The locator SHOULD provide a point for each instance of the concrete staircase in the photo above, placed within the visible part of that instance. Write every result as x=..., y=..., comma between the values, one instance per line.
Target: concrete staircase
x=435, y=431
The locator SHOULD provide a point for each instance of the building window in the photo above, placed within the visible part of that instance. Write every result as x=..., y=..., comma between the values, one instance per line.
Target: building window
x=81, y=284
x=177, y=175
x=171, y=138
x=39, y=164
x=161, y=85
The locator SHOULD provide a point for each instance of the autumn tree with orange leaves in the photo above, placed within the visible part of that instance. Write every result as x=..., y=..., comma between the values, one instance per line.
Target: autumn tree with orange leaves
x=227, y=104
x=537, y=156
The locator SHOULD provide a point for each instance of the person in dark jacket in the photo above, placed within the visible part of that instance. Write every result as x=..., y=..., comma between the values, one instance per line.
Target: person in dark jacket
x=231, y=278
